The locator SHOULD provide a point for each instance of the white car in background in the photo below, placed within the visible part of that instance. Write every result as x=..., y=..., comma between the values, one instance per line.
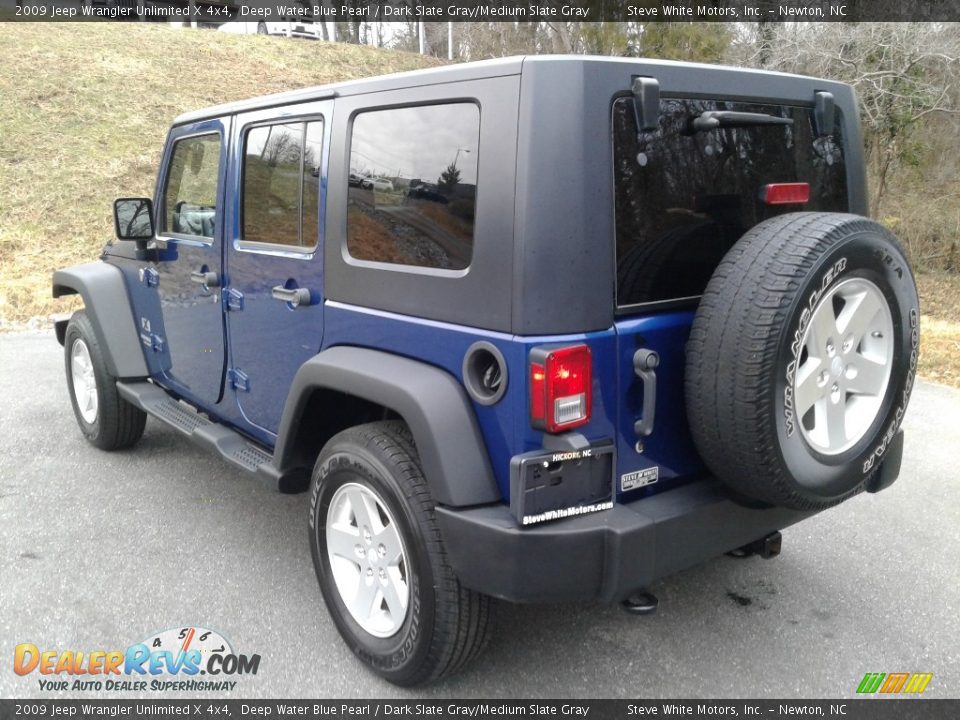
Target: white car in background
x=377, y=183
x=295, y=27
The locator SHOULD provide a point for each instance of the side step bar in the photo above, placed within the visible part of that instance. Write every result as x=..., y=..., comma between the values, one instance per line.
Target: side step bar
x=232, y=446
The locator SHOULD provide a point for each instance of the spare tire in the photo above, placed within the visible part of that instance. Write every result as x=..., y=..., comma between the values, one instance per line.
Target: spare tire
x=802, y=357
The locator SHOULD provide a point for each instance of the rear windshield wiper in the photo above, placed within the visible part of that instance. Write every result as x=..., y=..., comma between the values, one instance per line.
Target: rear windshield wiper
x=713, y=119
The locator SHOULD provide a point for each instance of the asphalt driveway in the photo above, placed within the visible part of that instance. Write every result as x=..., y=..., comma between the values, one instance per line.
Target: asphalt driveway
x=98, y=551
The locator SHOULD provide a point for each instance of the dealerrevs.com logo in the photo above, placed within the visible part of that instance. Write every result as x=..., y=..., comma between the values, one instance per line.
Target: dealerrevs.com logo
x=186, y=659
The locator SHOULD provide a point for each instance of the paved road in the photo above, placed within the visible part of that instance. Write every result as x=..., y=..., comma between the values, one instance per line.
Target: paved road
x=99, y=550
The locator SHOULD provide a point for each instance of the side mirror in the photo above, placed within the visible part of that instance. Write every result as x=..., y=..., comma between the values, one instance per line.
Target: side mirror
x=133, y=218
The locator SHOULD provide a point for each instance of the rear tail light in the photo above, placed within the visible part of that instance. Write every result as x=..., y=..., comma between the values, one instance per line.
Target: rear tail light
x=785, y=193
x=560, y=387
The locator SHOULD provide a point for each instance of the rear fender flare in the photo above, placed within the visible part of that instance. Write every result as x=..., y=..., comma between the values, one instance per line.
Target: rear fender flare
x=431, y=401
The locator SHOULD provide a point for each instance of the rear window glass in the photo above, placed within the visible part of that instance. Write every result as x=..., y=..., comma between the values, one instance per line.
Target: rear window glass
x=413, y=185
x=683, y=196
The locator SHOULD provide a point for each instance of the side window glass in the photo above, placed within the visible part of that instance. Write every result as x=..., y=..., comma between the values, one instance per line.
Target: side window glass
x=281, y=184
x=413, y=185
x=190, y=197
x=312, y=161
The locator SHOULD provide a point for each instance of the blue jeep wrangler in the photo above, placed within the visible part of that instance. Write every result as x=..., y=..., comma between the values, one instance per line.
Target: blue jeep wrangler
x=535, y=329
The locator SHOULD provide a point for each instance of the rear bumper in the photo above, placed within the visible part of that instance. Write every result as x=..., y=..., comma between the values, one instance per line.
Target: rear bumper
x=604, y=555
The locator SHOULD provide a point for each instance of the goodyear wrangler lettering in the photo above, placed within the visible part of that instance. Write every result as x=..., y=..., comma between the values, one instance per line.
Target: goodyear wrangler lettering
x=795, y=346
x=881, y=447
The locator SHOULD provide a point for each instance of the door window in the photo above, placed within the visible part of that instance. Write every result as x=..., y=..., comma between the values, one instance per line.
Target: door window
x=190, y=197
x=281, y=184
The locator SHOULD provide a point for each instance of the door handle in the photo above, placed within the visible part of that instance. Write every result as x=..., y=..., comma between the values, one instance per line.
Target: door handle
x=645, y=363
x=207, y=279
x=296, y=297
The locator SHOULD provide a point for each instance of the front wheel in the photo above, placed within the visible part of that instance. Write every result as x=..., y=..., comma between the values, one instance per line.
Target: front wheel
x=106, y=419
x=381, y=563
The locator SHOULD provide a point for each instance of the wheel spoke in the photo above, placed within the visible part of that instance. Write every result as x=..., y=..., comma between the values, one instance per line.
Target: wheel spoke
x=390, y=540
x=871, y=376
x=823, y=329
x=366, y=595
x=836, y=417
x=859, y=313
x=808, y=390
x=342, y=542
x=395, y=602
x=361, y=510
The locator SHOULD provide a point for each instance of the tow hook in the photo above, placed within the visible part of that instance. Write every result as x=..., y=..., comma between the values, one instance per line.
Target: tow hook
x=640, y=602
x=766, y=547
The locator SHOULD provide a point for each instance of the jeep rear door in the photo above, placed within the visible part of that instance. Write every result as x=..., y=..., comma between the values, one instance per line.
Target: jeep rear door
x=683, y=195
x=188, y=275
x=274, y=258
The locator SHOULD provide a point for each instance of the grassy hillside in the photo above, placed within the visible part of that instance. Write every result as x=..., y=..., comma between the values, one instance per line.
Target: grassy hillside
x=83, y=117
x=84, y=110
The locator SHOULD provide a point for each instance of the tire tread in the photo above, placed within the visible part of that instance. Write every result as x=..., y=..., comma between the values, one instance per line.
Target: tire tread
x=119, y=424
x=732, y=350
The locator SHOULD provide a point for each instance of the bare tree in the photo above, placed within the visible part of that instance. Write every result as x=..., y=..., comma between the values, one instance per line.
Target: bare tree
x=903, y=73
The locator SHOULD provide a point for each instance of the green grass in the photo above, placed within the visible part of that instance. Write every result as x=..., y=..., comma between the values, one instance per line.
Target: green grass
x=940, y=326
x=84, y=110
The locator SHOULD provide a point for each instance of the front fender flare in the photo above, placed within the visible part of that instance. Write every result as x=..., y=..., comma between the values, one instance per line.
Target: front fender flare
x=107, y=304
x=430, y=400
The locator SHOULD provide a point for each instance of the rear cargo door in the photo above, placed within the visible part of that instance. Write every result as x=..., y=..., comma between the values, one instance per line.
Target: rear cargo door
x=684, y=194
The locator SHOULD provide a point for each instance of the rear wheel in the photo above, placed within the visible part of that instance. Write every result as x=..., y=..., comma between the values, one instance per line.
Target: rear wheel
x=802, y=357
x=106, y=419
x=381, y=563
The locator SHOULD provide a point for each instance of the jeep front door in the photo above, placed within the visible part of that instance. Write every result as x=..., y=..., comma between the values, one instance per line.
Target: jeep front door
x=188, y=275
x=274, y=257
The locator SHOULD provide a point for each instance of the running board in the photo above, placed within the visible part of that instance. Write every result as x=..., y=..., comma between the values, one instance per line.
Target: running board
x=228, y=443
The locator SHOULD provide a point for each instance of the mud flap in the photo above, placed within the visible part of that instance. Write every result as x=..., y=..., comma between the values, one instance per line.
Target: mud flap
x=890, y=467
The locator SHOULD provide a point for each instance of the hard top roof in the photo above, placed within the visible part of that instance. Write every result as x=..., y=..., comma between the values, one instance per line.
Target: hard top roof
x=446, y=74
